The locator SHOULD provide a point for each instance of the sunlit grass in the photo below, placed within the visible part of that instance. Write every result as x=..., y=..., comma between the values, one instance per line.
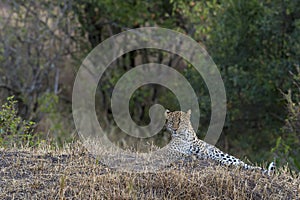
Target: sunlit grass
x=45, y=172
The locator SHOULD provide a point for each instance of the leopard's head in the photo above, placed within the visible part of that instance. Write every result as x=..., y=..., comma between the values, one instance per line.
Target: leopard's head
x=178, y=121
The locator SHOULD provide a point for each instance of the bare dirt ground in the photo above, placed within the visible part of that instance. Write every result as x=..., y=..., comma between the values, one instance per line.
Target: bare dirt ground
x=72, y=173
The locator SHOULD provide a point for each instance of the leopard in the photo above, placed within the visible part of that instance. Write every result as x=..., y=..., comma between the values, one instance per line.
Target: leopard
x=184, y=141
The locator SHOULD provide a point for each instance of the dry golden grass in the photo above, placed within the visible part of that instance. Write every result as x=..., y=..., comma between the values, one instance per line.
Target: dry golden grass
x=72, y=173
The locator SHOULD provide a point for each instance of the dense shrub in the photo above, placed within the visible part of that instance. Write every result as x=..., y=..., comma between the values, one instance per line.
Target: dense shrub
x=287, y=147
x=14, y=131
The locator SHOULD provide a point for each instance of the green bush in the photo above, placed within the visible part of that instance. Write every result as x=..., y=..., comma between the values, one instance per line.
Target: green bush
x=14, y=131
x=255, y=44
x=287, y=148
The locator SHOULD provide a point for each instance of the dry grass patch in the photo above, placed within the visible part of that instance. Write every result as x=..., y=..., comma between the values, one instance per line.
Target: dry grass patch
x=72, y=173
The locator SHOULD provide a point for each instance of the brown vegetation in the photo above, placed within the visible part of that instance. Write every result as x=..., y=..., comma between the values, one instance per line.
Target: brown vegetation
x=72, y=173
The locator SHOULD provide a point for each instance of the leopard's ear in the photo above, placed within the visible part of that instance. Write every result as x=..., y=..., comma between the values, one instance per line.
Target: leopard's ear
x=166, y=113
x=189, y=112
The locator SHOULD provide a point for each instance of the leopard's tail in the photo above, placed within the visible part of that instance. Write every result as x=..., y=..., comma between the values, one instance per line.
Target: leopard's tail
x=271, y=169
x=226, y=159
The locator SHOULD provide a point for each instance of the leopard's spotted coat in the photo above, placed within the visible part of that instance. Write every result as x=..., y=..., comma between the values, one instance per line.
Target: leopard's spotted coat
x=184, y=141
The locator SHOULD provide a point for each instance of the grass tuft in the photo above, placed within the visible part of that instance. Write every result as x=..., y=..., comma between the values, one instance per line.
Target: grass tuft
x=47, y=173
